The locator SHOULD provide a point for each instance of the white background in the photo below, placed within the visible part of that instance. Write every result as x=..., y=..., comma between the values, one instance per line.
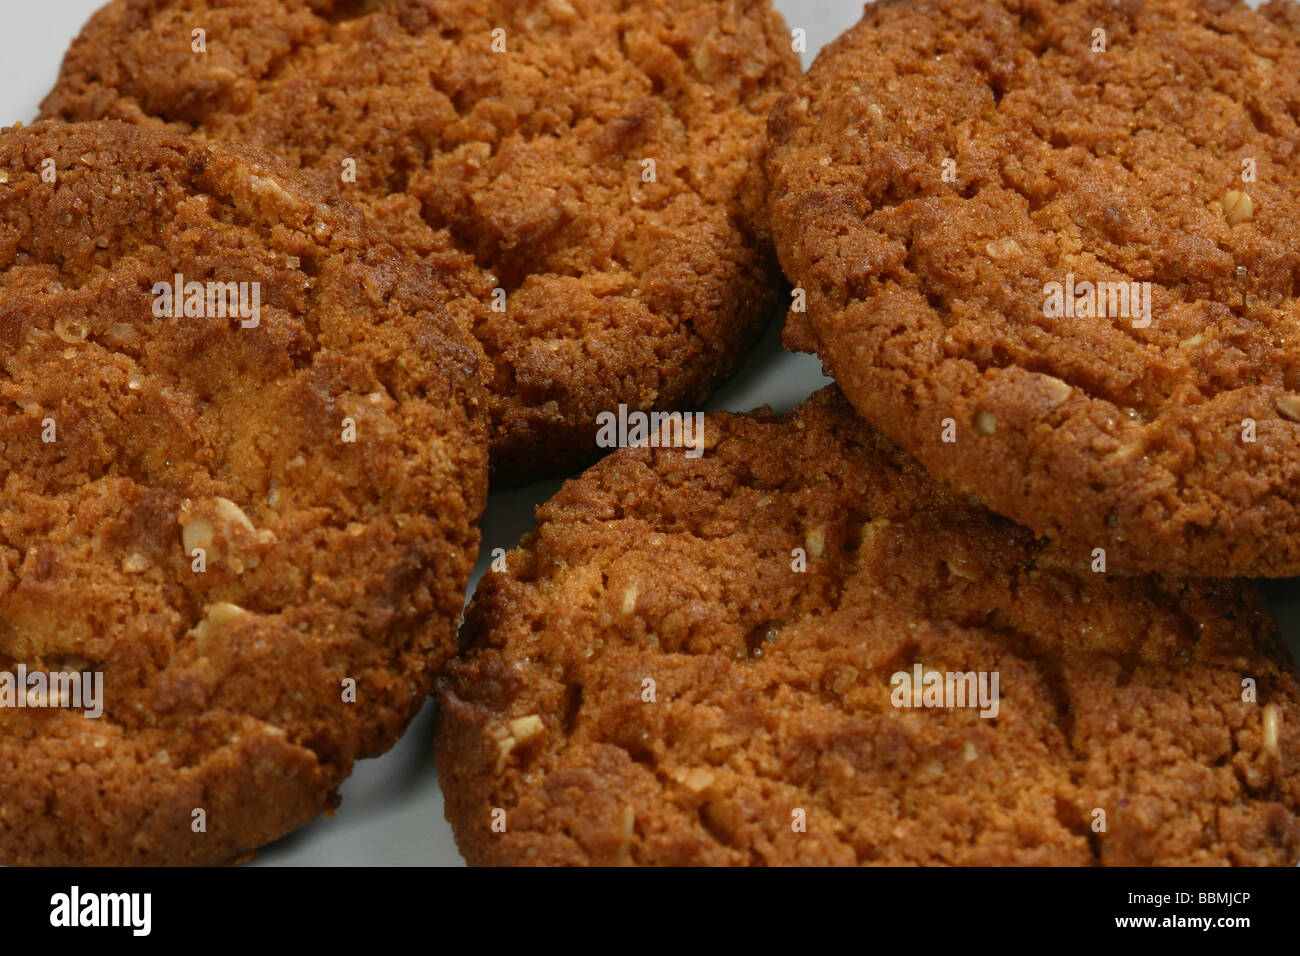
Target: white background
x=392, y=810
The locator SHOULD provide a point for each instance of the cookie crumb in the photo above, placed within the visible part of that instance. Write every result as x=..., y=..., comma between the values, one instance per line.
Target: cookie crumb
x=134, y=563
x=1289, y=406
x=1237, y=207
x=1271, y=722
x=1002, y=248
x=815, y=541
x=1057, y=390
x=215, y=617
x=524, y=729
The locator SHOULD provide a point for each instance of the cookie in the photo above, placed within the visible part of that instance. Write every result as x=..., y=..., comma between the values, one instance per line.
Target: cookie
x=587, y=174
x=1048, y=248
x=237, y=523
x=726, y=660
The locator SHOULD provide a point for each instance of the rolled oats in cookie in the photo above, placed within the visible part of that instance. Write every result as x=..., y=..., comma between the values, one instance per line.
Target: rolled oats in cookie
x=587, y=174
x=1049, y=248
x=243, y=451
x=797, y=649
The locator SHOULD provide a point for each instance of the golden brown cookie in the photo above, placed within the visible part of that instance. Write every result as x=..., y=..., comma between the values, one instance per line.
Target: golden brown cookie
x=247, y=514
x=1050, y=249
x=696, y=661
x=599, y=163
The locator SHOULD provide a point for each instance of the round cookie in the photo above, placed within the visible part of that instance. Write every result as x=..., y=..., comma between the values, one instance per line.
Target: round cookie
x=693, y=662
x=600, y=164
x=1063, y=277
x=250, y=528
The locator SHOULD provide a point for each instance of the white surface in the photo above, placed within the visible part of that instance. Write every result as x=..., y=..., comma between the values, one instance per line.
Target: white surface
x=392, y=811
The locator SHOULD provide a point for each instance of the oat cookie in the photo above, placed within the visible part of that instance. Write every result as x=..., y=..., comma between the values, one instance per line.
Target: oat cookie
x=653, y=680
x=1050, y=249
x=228, y=517
x=599, y=162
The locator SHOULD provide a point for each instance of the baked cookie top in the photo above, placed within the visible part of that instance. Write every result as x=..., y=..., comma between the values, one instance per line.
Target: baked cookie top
x=1049, y=248
x=599, y=163
x=696, y=661
x=239, y=507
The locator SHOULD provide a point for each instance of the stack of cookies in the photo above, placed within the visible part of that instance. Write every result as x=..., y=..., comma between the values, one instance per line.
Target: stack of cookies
x=285, y=283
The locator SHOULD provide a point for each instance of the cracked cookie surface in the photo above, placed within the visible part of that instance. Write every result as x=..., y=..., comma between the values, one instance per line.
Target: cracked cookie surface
x=521, y=170
x=1175, y=446
x=323, y=559
x=772, y=688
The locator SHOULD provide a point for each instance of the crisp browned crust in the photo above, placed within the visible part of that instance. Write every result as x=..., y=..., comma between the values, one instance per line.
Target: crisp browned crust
x=925, y=297
x=520, y=170
x=772, y=687
x=325, y=559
